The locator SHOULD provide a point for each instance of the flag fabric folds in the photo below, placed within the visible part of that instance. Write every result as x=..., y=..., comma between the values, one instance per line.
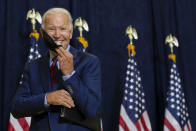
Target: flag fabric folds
x=23, y=124
x=133, y=113
x=176, y=111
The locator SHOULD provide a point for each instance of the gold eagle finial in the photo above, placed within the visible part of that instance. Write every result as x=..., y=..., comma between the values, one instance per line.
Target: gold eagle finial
x=172, y=41
x=34, y=16
x=132, y=33
x=81, y=24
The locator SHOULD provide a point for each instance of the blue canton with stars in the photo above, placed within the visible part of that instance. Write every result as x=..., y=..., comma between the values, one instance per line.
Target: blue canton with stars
x=134, y=98
x=176, y=98
x=33, y=53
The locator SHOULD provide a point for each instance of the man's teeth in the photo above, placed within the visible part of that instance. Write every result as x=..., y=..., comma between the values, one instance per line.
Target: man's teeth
x=58, y=42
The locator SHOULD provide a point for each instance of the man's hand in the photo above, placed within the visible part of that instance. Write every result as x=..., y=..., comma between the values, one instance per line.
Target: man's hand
x=60, y=97
x=65, y=59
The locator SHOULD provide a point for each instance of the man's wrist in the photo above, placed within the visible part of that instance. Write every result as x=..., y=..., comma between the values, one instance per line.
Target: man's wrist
x=68, y=72
x=66, y=77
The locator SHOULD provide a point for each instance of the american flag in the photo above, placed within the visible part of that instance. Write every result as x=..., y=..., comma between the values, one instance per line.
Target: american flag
x=133, y=113
x=176, y=112
x=22, y=124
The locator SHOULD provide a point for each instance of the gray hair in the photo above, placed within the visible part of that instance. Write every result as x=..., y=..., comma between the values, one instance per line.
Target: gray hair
x=57, y=11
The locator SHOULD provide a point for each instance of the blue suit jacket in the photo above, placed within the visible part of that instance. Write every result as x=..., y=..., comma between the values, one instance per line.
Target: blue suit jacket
x=85, y=89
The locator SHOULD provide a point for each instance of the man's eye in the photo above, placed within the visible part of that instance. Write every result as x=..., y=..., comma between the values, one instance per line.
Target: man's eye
x=64, y=29
x=51, y=29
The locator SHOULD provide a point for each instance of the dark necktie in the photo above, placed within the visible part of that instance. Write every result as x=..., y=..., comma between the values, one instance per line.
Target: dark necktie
x=53, y=71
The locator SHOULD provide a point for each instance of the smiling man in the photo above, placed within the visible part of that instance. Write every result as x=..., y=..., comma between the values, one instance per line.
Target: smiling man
x=63, y=79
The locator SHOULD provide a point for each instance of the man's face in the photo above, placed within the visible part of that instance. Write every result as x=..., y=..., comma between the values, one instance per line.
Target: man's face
x=58, y=28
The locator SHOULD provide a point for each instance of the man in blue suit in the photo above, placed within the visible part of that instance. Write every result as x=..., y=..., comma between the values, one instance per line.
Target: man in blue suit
x=77, y=83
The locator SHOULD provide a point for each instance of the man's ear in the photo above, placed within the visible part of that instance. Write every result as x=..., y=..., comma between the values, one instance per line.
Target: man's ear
x=41, y=31
x=71, y=33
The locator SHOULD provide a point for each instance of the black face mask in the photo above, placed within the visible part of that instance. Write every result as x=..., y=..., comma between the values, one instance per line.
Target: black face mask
x=50, y=42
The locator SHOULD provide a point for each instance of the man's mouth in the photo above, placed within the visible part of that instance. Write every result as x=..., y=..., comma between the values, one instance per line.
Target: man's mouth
x=59, y=42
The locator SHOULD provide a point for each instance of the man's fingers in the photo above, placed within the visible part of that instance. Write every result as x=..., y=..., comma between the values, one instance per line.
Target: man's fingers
x=64, y=92
x=68, y=103
x=60, y=97
x=67, y=100
x=60, y=59
x=62, y=53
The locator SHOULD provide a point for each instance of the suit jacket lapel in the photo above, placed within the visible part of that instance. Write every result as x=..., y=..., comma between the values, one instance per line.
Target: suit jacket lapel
x=74, y=53
x=45, y=72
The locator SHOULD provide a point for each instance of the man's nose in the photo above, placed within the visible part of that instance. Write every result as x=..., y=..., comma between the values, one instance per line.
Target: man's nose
x=57, y=33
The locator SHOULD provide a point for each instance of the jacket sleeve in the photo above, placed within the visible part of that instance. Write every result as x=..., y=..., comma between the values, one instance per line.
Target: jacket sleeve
x=85, y=87
x=24, y=103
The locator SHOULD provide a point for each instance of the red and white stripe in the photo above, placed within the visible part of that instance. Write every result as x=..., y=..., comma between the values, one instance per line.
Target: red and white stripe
x=126, y=124
x=171, y=124
x=21, y=124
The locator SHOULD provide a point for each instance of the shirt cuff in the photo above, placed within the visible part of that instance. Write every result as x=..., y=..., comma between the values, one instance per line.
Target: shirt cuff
x=66, y=77
x=45, y=102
